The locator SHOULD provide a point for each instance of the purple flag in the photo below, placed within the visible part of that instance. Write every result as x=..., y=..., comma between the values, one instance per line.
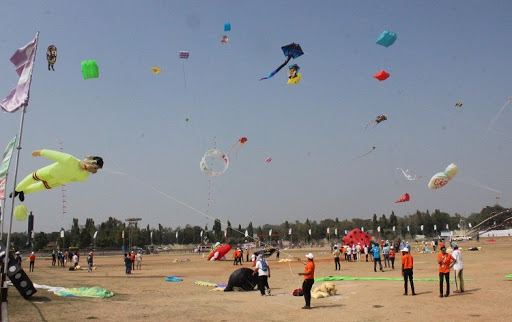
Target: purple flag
x=23, y=60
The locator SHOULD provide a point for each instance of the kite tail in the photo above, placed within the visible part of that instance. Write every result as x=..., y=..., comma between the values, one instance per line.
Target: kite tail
x=367, y=153
x=278, y=68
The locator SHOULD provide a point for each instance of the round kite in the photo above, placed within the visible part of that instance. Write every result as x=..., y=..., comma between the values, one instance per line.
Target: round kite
x=356, y=236
x=20, y=212
x=214, y=163
x=218, y=252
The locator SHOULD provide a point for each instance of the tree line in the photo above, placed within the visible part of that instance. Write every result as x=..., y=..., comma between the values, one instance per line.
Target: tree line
x=110, y=233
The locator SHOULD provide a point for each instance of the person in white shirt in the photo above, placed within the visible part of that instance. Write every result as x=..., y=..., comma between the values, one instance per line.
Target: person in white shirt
x=348, y=252
x=75, y=260
x=457, y=267
x=358, y=252
x=263, y=271
x=366, y=251
x=139, y=260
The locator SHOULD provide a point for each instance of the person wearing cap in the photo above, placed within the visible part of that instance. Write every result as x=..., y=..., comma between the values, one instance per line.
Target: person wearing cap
x=376, y=257
x=392, y=255
x=407, y=266
x=309, y=279
x=336, y=253
x=263, y=271
x=18, y=258
x=32, y=259
x=457, y=267
x=89, y=262
x=445, y=262
x=66, y=169
x=385, y=253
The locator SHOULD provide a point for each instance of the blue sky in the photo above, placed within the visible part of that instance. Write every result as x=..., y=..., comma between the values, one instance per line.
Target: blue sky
x=446, y=52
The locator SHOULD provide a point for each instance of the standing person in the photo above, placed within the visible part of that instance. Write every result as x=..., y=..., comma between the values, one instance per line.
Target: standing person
x=349, y=253
x=407, y=266
x=366, y=252
x=75, y=260
x=127, y=263
x=89, y=262
x=354, y=255
x=19, y=258
x=247, y=254
x=235, y=257
x=385, y=252
x=32, y=259
x=132, y=258
x=139, y=260
x=336, y=253
x=358, y=252
x=309, y=279
x=457, y=267
x=433, y=243
x=392, y=254
x=376, y=257
x=253, y=259
x=263, y=271
x=277, y=254
x=54, y=258
x=445, y=262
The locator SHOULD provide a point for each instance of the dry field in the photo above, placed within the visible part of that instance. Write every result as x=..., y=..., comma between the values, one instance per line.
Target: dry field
x=145, y=295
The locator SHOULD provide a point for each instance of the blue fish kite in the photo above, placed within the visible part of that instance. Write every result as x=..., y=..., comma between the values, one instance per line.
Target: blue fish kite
x=386, y=39
x=290, y=51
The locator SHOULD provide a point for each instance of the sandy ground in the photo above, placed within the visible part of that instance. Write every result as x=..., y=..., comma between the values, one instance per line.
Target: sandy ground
x=145, y=295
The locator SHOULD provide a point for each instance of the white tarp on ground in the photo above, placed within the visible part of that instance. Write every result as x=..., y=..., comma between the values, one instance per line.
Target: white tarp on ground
x=497, y=233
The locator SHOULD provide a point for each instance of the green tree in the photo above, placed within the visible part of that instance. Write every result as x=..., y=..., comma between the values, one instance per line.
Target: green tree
x=85, y=239
x=40, y=241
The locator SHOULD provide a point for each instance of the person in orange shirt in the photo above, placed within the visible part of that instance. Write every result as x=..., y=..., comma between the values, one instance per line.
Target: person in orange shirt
x=235, y=257
x=392, y=254
x=32, y=259
x=309, y=279
x=445, y=262
x=132, y=258
x=407, y=265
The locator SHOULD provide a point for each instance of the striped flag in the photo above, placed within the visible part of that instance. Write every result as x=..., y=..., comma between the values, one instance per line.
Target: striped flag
x=4, y=168
x=184, y=54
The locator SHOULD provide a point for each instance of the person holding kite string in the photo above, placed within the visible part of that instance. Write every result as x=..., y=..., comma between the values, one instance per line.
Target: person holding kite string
x=66, y=169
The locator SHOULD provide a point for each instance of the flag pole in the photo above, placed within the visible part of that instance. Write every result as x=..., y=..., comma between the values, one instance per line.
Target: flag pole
x=4, y=311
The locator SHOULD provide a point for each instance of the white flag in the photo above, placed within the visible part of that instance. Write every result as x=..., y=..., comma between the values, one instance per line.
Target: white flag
x=435, y=227
x=62, y=234
x=458, y=226
x=362, y=228
x=270, y=233
x=310, y=232
x=393, y=228
x=176, y=235
x=201, y=234
x=95, y=234
x=122, y=234
x=151, y=234
x=408, y=228
x=336, y=231
x=469, y=225
x=289, y=231
x=23, y=60
x=447, y=227
x=328, y=230
x=226, y=233
x=378, y=229
x=246, y=233
x=4, y=168
x=421, y=227
x=32, y=234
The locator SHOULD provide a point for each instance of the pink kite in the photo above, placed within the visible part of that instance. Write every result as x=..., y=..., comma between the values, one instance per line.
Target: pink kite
x=239, y=144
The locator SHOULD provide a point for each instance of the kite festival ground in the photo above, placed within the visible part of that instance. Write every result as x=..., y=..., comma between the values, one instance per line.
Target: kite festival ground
x=145, y=295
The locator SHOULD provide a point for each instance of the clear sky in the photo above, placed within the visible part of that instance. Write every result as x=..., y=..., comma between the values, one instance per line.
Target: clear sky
x=446, y=52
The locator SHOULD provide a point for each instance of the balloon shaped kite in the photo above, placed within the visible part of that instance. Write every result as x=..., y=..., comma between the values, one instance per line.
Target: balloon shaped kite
x=51, y=56
x=386, y=39
x=156, y=70
x=214, y=163
x=218, y=252
x=441, y=179
x=90, y=69
x=290, y=51
x=382, y=75
x=293, y=74
x=405, y=197
x=356, y=236
x=377, y=120
x=66, y=169
x=238, y=144
x=20, y=212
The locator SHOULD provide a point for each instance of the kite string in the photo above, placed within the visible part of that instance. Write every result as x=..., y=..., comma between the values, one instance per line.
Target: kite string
x=496, y=117
x=184, y=78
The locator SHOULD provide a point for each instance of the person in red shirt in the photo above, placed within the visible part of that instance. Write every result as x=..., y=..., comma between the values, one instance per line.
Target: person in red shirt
x=392, y=254
x=132, y=258
x=445, y=262
x=32, y=259
x=407, y=266
x=309, y=279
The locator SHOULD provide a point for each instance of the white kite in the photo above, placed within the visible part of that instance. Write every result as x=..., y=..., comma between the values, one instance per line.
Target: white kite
x=409, y=176
x=441, y=179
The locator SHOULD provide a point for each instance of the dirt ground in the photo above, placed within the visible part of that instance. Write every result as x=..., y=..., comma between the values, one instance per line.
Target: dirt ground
x=145, y=295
